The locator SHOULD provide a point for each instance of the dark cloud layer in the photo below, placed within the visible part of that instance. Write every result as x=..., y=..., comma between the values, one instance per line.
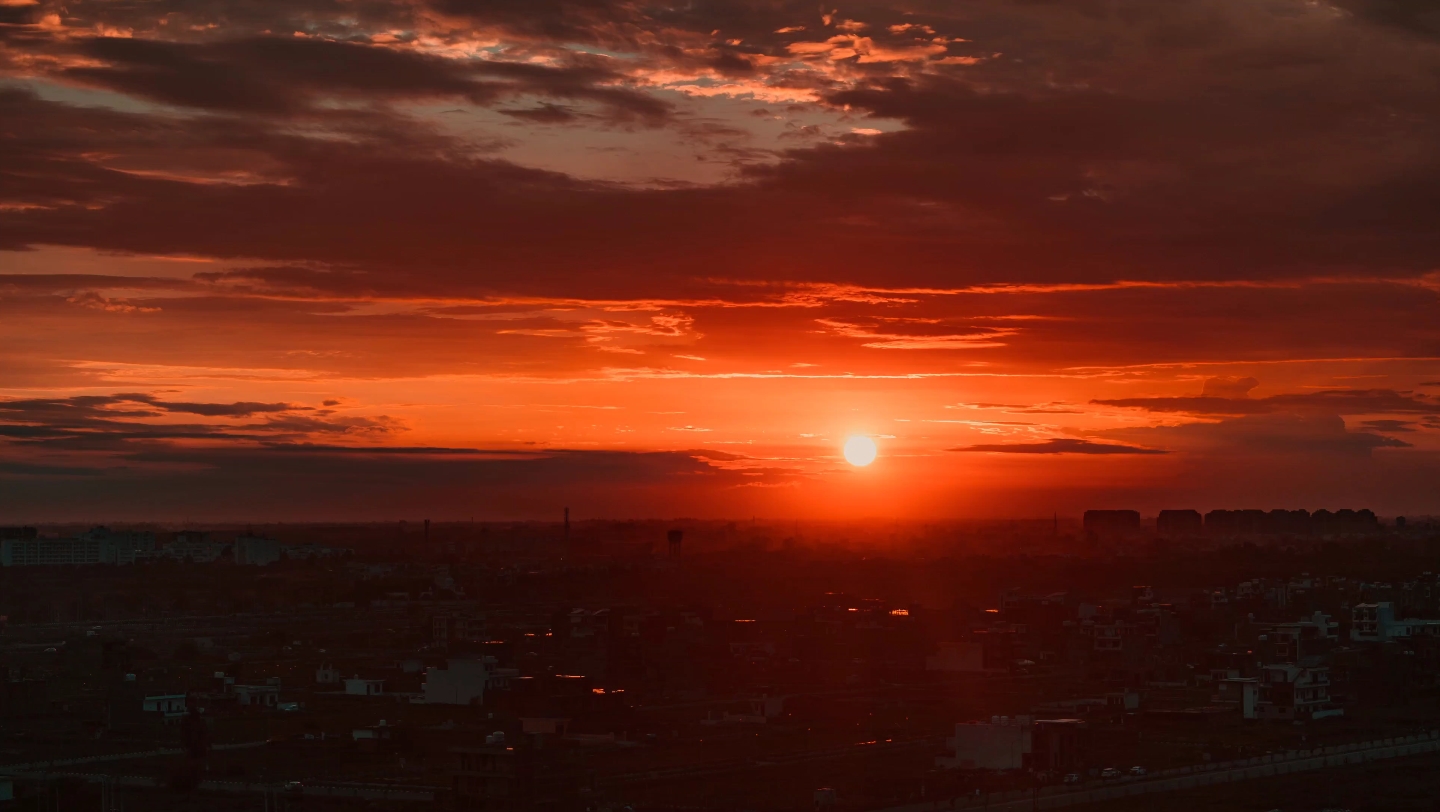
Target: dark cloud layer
x=1417, y=17
x=1275, y=436
x=119, y=456
x=1110, y=157
x=242, y=483
x=117, y=422
x=289, y=76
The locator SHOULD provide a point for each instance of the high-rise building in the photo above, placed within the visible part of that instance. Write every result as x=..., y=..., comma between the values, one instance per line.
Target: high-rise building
x=1112, y=523
x=256, y=551
x=98, y=545
x=1173, y=524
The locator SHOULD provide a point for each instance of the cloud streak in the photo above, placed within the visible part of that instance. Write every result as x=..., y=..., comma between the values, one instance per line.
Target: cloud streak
x=1334, y=401
x=1060, y=445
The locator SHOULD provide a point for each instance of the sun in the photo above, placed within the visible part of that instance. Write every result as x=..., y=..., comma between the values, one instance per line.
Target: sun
x=859, y=450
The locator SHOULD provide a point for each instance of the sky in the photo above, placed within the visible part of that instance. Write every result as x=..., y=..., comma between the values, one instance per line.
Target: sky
x=377, y=259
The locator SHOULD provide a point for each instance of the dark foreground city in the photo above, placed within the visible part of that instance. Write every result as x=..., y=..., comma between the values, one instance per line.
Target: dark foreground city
x=1239, y=660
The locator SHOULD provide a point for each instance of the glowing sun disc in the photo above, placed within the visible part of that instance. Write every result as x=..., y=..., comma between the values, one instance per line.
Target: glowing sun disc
x=860, y=450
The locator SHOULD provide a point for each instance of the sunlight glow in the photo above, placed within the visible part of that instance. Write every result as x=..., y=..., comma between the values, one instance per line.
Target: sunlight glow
x=860, y=450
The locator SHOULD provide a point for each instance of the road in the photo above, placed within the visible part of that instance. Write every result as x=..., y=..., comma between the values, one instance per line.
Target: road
x=32, y=766
x=713, y=768
x=1189, y=777
x=375, y=792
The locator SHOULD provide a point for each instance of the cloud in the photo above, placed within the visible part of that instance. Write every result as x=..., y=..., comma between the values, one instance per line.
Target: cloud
x=1229, y=387
x=980, y=339
x=94, y=301
x=123, y=455
x=1019, y=408
x=91, y=406
x=544, y=114
x=1061, y=446
x=278, y=75
x=1260, y=435
x=1147, y=161
x=116, y=422
x=1416, y=17
x=380, y=484
x=1389, y=425
x=22, y=469
x=243, y=409
x=1333, y=401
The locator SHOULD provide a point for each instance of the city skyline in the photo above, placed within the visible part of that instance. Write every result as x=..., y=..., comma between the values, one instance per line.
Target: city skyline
x=317, y=260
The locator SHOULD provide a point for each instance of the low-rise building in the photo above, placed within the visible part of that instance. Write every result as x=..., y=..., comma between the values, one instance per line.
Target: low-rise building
x=1376, y=623
x=1308, y=636
x=988, y=651
x=309, y=551
x=376, y=732
x=355, y=686
x=171, y=708
x=1294, y=692
x=461, y=682
x=1058, y=745
x=263, y=696
x=1003, y=743
x=1243, y=692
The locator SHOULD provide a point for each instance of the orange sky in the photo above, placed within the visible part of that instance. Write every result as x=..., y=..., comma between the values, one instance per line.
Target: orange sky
x=370, y=260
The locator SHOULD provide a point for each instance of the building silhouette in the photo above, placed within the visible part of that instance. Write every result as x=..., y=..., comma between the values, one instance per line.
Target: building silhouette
x=1111, y=523
x=1179, y=523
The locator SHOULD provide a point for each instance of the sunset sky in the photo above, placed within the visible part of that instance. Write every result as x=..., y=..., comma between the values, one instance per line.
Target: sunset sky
x=373, y=259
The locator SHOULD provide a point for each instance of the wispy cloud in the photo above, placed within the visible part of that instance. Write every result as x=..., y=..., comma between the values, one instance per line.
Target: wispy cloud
x=1060, y=446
